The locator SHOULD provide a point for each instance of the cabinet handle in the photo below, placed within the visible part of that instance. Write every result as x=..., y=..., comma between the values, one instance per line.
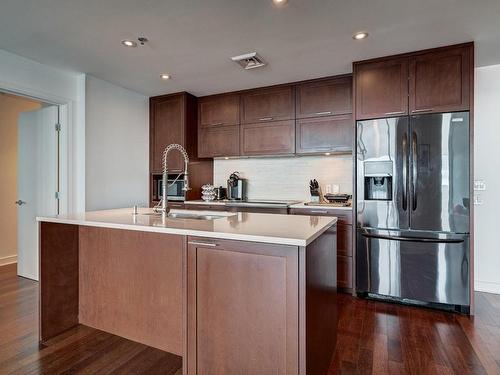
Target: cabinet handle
x=323, y=113
x=421, y=110
x=318, y=212
x=217, y=124
x=209, y=244
x=265, y=119
x=395, y=113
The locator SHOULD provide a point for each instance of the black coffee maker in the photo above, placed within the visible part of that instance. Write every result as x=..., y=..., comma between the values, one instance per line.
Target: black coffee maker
x=236, y=187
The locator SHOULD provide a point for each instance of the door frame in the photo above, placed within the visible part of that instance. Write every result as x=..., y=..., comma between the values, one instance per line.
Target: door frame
x=67, y=143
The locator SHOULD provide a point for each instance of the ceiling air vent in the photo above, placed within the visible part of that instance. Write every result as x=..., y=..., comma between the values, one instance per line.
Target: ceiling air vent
x=249, y=60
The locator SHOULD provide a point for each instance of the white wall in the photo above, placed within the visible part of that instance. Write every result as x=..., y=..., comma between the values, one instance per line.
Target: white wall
x=117, y=144
x=486, y=145
x=27, y=77
x=287, y=177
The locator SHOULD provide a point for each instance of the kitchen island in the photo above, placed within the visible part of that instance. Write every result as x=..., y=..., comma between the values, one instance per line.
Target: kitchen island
x=231, y=293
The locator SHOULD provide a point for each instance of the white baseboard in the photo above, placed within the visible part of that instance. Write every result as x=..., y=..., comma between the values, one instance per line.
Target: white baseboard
x=8, y=260
x=487, y=286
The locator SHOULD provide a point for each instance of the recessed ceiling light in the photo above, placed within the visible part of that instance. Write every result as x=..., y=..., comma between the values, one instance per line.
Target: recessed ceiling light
x=280, y=2
x=327, y=154
x=129, y=43
x=165, y=76
x=361, y=35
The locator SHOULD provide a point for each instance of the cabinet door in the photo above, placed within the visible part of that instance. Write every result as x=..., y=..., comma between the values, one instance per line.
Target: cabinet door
x=220, y=110
x=167, y=126
x=381, y=88
x=321, y=134
x=242, y=308
x=272, y=138
x=344, y=272
x=324, y=97
x=344, y=240
x=219, y=141
x=270, y=104
x=440, y=81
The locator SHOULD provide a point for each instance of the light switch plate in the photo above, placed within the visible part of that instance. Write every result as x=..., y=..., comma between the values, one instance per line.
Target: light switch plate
x=479, y=185
x=328, y=189
x=336, y=189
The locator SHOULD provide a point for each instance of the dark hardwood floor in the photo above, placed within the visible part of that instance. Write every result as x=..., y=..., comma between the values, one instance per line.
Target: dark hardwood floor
x=82, y=350
x=374, y=337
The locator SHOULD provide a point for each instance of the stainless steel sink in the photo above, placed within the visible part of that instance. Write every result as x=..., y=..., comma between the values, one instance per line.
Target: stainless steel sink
x=178, y=215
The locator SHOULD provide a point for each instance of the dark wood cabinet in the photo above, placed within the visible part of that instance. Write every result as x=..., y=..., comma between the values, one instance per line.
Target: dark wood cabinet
x=267, y=104
x=440, y=80
x=324, y=134
x=345, y=266
x=269, y=138
x=221, y=279
x=381, y=88
x=324, y=97
x=219, y=110
x=173, y=119
x=219, y=141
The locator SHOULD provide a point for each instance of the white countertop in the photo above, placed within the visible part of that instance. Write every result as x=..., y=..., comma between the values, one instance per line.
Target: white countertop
x=297, y=230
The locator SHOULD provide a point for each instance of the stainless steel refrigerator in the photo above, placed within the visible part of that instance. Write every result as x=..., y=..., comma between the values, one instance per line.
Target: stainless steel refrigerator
x=412, y=188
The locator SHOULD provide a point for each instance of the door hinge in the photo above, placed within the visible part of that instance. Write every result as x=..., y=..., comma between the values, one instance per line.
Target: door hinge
x=58, y=195
x=58, y=127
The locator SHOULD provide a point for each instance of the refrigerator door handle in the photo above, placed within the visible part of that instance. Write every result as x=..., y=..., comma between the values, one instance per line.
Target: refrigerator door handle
x=412, y=239
x=405, y=172
x=414, y=170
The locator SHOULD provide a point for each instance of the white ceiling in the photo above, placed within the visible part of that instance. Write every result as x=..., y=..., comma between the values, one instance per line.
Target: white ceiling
x=194, y=39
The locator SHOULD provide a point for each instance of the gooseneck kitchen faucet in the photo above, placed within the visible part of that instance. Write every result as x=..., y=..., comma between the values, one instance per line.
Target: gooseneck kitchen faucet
x=163, y=205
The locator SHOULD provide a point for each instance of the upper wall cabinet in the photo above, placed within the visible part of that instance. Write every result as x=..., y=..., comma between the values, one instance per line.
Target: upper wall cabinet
x=381, y=88
x=440, y=80
x=219, y=110
x=437, y=80
x=173, y=119
x=269, y=104
x=324, y=97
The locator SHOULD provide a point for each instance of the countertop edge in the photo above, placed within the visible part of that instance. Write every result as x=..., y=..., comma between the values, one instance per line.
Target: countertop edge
x=193, y=232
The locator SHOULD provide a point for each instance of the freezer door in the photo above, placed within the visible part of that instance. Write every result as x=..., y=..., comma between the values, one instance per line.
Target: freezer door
x=382, y=173
x=416, y=268
x=440, y=172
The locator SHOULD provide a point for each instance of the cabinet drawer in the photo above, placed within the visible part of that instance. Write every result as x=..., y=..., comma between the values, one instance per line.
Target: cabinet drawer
x=219, y=141
x=177, y=205
x=381, y=88
x=219, y=110
x=270, y=104
x=324, y=97
x=344, y=216
x=344, y=272
x=268, y=138
x=321, y=134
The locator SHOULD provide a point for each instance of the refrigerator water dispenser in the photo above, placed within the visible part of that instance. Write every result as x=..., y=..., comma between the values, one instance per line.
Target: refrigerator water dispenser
x=378, y=180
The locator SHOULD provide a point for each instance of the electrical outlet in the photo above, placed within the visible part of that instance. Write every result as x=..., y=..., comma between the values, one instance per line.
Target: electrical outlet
x=328, y=189
x=336, y=189
x=478, y=200
x=479, y=185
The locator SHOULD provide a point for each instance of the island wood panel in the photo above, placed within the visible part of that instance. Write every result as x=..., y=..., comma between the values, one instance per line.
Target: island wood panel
x=381, y=88
x=324, y=97
x=440, y=80
x=321, y=312
x=58, y=278
x=324, y=134
x=219, y=110
x=132, y=285
x=274, y=103
x=243, y=308
x=271, y=138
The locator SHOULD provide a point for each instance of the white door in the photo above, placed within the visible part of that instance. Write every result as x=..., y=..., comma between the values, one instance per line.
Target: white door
x=37, y=182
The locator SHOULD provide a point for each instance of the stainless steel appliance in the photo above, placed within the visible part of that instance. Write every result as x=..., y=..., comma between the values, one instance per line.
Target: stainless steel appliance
x=412, y=236
x=175, y=187
x=236, y=187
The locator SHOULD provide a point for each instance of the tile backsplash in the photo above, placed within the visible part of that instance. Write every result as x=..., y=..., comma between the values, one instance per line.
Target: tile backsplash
x=287, y=177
